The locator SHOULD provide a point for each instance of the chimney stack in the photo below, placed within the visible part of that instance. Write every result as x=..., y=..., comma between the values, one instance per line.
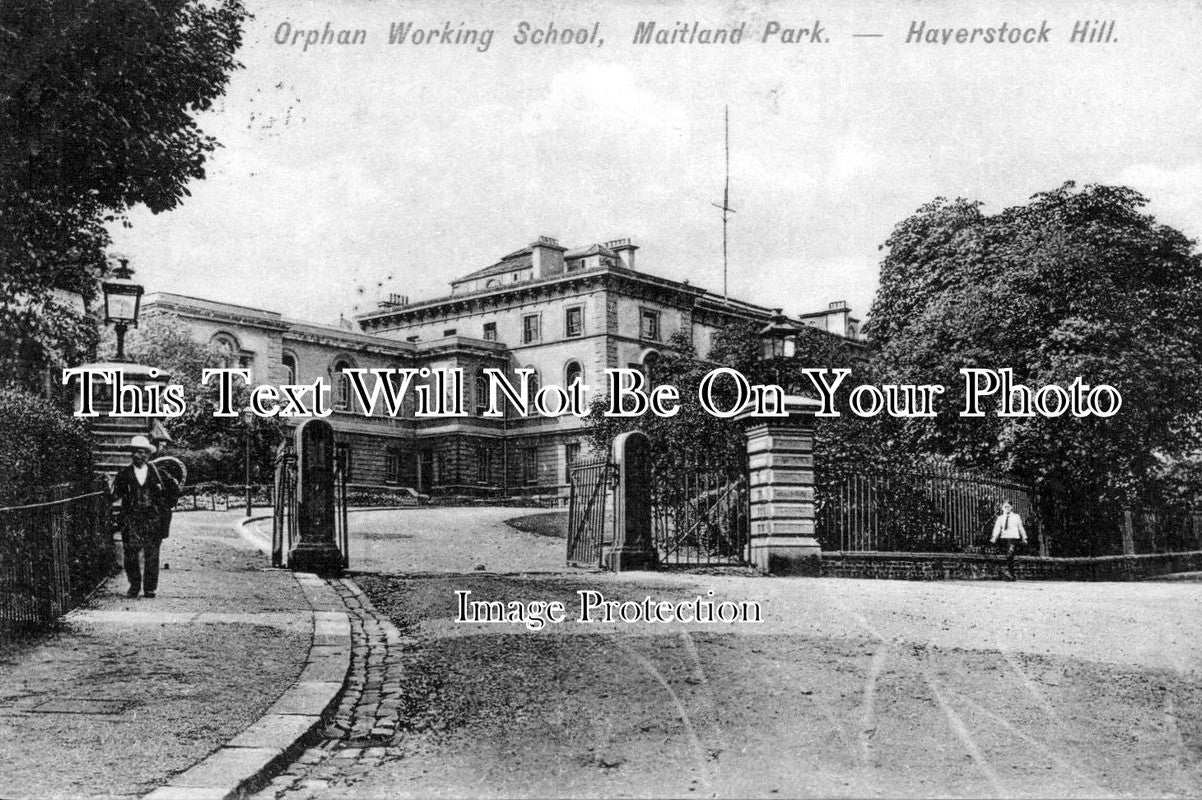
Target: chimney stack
x=546, y=255
x=625, y=251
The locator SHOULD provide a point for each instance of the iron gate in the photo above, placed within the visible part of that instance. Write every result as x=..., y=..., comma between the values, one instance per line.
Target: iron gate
x=590, y=510
x=700, y=514
x=284, y=526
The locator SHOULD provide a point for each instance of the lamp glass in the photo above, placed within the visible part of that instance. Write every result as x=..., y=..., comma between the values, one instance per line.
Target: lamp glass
x=122, y=307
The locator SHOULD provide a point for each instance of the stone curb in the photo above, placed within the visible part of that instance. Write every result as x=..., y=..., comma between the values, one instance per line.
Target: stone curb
x=248, y=761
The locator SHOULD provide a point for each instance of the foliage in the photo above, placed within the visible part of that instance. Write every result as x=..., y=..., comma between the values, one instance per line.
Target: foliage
x=694, y=435
x=39, y=446
x=212, y=448
x=1077, y=282
x=99, y=100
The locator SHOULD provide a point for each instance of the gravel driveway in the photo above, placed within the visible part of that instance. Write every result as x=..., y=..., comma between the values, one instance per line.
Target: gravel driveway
x=847, y=687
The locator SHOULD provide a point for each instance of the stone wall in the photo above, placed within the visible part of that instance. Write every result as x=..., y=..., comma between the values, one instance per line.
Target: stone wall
x=957, y=566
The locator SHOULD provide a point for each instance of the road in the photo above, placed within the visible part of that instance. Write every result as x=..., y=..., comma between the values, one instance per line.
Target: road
x=846, y=688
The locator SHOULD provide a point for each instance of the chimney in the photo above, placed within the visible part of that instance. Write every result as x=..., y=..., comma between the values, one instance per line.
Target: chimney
x=547, y=256
x=625, y=251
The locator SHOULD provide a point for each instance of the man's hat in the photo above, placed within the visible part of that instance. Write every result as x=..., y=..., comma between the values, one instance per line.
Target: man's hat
x=141, y=442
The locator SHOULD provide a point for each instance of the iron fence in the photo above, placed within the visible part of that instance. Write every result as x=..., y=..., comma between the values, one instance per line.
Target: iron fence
x=223, y=497
x=52, y=554
x=932, y=509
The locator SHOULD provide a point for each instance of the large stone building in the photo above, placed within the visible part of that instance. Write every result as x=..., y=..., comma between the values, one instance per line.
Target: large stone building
x=564, y=313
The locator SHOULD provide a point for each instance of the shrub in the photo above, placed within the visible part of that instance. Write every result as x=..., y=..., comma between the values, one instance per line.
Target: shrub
x=40, y=446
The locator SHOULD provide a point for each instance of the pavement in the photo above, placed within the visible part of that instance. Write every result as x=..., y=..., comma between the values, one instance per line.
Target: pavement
x=201, y=692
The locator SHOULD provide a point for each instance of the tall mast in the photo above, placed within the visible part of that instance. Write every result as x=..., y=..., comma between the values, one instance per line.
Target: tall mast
x=726, y=209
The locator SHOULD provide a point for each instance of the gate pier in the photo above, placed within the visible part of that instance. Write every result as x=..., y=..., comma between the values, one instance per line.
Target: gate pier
x=780, y=461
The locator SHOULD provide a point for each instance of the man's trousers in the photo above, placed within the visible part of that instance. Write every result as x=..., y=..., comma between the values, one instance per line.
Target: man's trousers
x=135, y=556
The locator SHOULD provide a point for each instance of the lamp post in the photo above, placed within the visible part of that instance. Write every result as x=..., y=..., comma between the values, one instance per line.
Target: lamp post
x=248, y=417
x=122, y=301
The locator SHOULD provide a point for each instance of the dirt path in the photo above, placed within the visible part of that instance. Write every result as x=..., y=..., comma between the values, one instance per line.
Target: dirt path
x=848, y=688
x=445, y=540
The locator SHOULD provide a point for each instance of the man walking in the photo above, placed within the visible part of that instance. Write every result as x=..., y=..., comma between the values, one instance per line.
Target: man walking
x=142, y=492
x=1009, y=528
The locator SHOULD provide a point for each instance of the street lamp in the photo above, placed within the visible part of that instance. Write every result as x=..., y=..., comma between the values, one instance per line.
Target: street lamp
x=780, y=336
x=122, y=301
x=248, y=417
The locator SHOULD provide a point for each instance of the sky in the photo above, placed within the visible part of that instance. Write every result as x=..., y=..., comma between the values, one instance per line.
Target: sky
x=349, y=172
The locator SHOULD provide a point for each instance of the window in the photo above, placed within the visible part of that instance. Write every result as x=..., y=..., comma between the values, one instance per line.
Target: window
x=411, y=338
x=229, y=352
x=649, y=324
x=392, y=467
x=533, y=385
x=573, y=321
x=530, y=465
x=571, y=373
x=289, y=362
x=226, y=348
x=531, y=329
x=492, y=283
x=571, y=452
x=342, y=453
x=342, y=385
x=483, y=463
x=490, y=331
x=449, y=332
x=481, y=392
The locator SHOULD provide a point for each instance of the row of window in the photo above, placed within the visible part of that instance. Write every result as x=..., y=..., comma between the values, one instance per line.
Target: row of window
x=527, y=464
x=572, y=372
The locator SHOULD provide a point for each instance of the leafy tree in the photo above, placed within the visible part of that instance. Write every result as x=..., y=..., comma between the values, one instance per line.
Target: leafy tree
x=212, y=447
x=98, y=100
x=1077, y=282
x=694, y=435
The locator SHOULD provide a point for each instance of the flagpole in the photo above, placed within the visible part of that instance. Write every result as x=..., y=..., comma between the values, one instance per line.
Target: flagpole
x=726, y=209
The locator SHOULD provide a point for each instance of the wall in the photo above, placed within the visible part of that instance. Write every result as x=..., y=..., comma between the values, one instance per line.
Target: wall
x=957, y=566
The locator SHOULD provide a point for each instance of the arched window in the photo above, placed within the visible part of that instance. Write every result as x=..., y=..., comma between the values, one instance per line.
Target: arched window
x=342, y=383
x=650, y=359
x=534, y=385
x=226, y=348
x=481, y=392
x=290, y=370
x=572, y=372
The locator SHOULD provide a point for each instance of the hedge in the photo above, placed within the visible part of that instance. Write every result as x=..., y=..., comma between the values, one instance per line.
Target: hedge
x=40, y=446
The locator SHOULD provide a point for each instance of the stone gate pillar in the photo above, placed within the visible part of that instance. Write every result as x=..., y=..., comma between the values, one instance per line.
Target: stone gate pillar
x=780, y=455
x=632, y=547
x=315, y=550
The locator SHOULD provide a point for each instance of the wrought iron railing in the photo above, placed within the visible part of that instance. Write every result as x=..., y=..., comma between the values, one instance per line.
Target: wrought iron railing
x=929, y=509
x=52, y=554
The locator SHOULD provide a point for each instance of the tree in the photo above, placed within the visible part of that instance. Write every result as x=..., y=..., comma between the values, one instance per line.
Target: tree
x=694, y=434
x=1077, y=282
x=212, y=447
x=98, y=100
